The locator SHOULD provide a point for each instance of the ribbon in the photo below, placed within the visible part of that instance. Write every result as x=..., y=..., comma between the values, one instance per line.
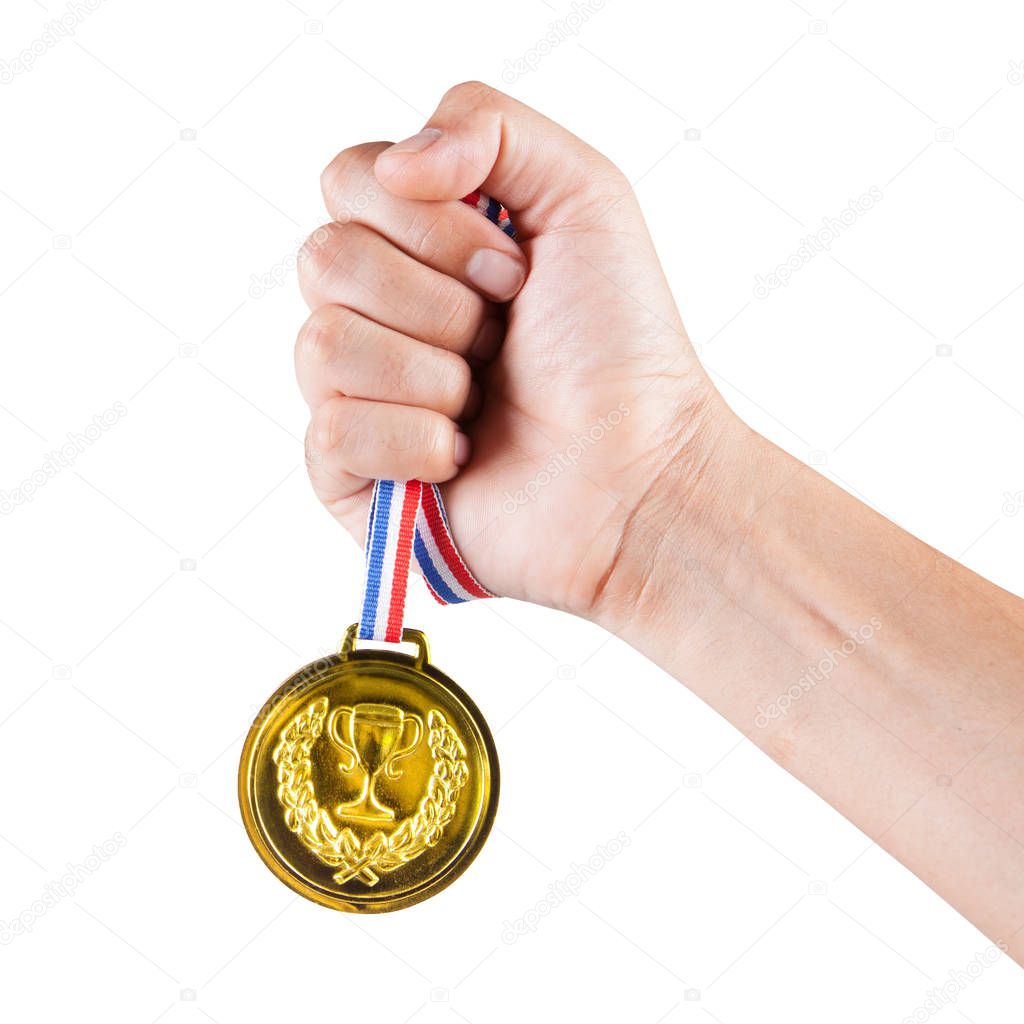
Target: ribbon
x=407, y=521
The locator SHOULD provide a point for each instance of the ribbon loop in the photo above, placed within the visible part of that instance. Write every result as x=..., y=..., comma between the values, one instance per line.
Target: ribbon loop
x=408, y=520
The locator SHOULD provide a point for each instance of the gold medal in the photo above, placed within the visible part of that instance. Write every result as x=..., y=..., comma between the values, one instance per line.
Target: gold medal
x=369, y=780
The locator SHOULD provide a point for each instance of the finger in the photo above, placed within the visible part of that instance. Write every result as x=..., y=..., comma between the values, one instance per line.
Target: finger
x=351, y=440
x=449, y=236
x=481, y=138
x=352, y=265
x=340, y=352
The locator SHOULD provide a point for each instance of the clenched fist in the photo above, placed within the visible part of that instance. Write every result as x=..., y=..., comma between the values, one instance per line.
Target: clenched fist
x=549, y=382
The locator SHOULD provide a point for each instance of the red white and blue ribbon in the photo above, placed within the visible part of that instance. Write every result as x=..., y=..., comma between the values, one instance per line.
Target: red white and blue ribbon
x=492, y=210
x=407, y=521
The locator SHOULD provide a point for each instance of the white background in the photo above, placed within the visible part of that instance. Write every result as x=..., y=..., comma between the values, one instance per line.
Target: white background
x=129, y=273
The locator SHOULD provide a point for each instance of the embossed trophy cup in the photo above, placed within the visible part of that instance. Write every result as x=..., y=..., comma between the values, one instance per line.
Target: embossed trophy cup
x=372, y=739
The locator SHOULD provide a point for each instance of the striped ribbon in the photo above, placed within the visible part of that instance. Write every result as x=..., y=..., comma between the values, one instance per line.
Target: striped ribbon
x=408, y=521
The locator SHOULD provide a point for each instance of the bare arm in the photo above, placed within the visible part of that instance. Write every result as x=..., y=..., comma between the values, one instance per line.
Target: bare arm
x=885, y=676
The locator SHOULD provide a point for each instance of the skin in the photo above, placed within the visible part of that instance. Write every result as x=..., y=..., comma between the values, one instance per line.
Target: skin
x=440, y=349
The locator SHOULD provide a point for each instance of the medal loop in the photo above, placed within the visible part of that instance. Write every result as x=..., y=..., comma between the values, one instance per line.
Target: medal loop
x=409, y=636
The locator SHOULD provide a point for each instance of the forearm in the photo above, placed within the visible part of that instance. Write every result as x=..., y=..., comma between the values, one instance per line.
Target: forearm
x=885, y=676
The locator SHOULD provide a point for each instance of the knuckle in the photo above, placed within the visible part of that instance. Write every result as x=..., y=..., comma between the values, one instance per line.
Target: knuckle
x=316, y=245
x=336, y=255
x=600, y=177
x=596, y=185
x=313, y=450
x=470, y=94
x=314, y=342
x=329, y=426
x=348, y=174
x=317, y=254
x=326, y=334
x=610, y=174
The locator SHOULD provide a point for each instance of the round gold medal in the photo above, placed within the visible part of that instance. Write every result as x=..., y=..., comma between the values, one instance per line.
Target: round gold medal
x=369, y=780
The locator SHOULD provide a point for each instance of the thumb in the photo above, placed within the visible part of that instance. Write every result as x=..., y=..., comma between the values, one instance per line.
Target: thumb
x=479, y=138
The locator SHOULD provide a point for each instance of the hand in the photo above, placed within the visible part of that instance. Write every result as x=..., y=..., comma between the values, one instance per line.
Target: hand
x=606, y=477
x=550, y=418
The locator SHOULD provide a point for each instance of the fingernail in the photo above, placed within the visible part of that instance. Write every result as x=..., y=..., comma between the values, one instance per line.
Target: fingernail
x=416, y=142
x=488, y=340
x=496, y=273
x=462, y=449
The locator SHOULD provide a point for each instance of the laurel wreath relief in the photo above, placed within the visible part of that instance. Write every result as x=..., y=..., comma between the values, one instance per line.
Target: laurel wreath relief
x=380, y=851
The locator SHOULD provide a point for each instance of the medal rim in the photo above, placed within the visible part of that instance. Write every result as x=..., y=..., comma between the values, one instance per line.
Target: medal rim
x=318, y=671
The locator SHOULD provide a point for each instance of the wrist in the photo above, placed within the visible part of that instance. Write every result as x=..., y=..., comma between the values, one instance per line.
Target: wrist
x=676, y=541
